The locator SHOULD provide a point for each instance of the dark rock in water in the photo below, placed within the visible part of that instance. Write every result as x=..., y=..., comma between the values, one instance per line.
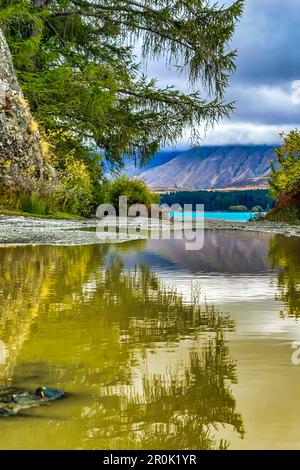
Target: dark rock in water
x=12, y=402
x=4, y=412
x=49, y=393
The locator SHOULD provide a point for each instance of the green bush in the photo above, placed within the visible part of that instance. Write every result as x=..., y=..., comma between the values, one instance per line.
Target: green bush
x=34, y=203
x=286, y=179
x=257, y=209
x=31, y=202
x=72, y=190
x=238, y=208
x=75, y=192
x=136, y=191
x=289, y=214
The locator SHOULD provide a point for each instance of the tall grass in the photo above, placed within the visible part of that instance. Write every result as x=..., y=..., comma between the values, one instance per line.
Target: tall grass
x=27, y=201
x=33, y=203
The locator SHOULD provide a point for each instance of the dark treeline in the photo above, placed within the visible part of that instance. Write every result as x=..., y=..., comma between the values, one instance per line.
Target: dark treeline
x=221, y=200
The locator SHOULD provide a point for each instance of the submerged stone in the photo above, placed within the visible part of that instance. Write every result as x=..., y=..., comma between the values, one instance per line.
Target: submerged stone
x=12, y=402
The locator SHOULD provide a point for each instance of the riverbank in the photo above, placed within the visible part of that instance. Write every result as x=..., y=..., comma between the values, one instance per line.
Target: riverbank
x=25, y=230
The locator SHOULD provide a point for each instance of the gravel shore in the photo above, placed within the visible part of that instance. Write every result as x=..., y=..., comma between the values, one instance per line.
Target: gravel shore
x=32, y=231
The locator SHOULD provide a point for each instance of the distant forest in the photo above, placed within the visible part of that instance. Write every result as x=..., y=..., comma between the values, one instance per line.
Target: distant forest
x=221, y=200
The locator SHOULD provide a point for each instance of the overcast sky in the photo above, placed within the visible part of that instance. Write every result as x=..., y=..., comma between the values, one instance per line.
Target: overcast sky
x=268, y=44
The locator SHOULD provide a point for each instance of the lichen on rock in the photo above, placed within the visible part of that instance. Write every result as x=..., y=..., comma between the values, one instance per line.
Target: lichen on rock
x=20, y=139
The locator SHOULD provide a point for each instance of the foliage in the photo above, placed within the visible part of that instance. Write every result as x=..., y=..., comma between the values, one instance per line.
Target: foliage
x=75, y=193
x=76, y=64
x=31, y=202
x=52, y=215
x=220, y=200
x=137, y=192
x=257, y=209
x=286, y=210
x=286, y=179
x=239, y=208
x=34, y=203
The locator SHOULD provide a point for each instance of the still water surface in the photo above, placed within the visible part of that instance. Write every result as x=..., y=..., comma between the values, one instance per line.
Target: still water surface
x=229, y=216
x=159, y=347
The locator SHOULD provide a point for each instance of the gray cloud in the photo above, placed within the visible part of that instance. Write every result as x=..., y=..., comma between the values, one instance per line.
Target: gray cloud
x=265, y=104
x=241, y=133
x=267, y=41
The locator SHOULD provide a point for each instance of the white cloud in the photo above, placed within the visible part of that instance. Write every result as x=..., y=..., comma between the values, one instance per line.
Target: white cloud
x=243, y=133
x=265, y=86
x=265, y=104
x=296, y=92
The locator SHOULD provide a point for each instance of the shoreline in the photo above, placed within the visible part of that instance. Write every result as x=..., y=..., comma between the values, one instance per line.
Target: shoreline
x=18, y=230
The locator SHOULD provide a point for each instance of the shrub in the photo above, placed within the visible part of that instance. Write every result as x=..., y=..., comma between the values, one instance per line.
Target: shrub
x=136, y=190
x=33, y=203
x=287, y=209
x=286, y=179
x=71, y=190
x=75, y=193
x=238, y=208
x=257, y=209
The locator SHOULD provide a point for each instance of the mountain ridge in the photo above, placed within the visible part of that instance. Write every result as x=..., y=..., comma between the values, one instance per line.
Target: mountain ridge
x=214, y=167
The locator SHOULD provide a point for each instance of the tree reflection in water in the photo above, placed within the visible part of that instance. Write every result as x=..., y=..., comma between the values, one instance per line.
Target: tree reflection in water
x=80, y=309
x=284, y=253
x=178, y=410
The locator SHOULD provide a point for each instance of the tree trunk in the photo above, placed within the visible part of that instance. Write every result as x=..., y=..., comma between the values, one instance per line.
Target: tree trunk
x=20, y=141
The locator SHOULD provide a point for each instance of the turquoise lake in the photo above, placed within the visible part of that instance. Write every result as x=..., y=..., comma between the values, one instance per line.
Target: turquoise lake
x=232, y=216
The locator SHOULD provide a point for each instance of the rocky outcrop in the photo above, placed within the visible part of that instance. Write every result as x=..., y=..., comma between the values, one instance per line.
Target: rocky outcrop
x=21, y=147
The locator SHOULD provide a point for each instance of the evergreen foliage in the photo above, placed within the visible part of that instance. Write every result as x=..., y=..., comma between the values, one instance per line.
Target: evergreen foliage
x=221, y=200
x=75, y=61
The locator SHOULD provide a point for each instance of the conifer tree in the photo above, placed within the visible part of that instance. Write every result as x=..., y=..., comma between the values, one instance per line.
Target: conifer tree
x=76, y=64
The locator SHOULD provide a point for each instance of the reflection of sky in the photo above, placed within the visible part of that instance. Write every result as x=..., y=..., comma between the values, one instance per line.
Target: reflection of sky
x=232, y=271
x=218, y=289
x=230, y=253
x=223, y=252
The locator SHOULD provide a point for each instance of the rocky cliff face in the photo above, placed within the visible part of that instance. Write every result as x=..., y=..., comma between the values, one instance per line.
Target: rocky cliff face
x=229, y=166
x=20, y=141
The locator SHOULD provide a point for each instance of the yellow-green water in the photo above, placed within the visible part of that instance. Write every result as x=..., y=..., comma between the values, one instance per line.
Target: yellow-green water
x=160, y=348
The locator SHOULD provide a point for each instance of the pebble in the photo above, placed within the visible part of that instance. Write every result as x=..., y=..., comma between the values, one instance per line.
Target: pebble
x=26, y=230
